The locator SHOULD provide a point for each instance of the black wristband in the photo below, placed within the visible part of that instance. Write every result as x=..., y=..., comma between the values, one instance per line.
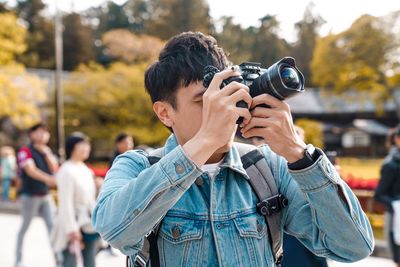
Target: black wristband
x=309, y=159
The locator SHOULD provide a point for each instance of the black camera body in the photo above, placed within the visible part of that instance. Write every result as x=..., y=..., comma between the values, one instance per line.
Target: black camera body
x=281, y=80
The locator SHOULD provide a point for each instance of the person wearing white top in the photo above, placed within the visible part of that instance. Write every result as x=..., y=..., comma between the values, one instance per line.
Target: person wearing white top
x=73, y=233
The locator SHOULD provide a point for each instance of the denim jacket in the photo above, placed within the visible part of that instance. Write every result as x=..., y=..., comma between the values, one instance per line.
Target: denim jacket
x=214, y=222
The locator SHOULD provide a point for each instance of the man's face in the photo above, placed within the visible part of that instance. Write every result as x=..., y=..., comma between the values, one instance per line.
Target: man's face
x=40, y=136
x=125, y=144
x=187, y=116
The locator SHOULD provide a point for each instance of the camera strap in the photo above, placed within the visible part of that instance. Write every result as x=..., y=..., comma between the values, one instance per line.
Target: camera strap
x=263, y=184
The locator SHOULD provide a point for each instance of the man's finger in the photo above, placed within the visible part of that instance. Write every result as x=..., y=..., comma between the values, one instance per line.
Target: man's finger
x=233, y=87
x=257, y=123
x=254, y=132
x=263, y=112
x=266, y=99
x=239, y=95
x=245, y=113
x=219, y=77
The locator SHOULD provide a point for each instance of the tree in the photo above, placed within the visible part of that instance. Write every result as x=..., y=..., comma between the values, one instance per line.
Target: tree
x=139, y=13
x=313, y=131
x=235, y=40
x=307, y=33
x=30, y=11
x=170, y=17
x=356, y=59
x=12, y=38
x=21, y=94
x=40, y=37
x=267, y=47
x=130, y=48
x=78, y=42
x=115, y=100
x=107, y=17
x=3, y=8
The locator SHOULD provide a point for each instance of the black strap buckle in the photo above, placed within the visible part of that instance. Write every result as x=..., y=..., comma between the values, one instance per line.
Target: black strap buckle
x=278, y=261
x=140, y=261
x=272, y=205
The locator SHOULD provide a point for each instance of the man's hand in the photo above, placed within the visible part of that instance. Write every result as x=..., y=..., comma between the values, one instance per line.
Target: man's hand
x=51, y=159
x=219, y=116
x=275, y=125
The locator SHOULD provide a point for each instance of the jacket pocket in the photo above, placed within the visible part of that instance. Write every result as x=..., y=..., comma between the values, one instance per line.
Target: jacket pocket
x=253, y=240
x=180, y=242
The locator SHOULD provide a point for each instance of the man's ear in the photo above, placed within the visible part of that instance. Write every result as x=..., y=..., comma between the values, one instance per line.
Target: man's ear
x=164, y=112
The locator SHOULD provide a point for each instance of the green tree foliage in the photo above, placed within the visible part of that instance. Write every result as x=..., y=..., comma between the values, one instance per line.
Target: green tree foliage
x=235, y=40
x=267, y=46
x=130, y=48
x=313, y=131
x=307, y=33
x=108, y=16
x=170, y=17
x=139, y=12
x=21, y=94
x=12, y=38
x=78, y=42
x=102, y=102
x=40, y=37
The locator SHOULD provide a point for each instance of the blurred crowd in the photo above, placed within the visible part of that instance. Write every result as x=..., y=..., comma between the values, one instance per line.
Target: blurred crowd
x=63, y=195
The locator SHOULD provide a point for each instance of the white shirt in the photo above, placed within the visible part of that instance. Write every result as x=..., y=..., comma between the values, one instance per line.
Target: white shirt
x=76, y=199
x=212, y=169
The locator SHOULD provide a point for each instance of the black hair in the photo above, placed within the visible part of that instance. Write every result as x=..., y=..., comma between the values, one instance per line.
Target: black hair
x=182, y=62
x=72, y=141
x=120, y=137
x=39, y=125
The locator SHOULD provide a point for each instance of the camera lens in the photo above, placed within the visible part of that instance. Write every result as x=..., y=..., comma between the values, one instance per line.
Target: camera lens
x=290, y=78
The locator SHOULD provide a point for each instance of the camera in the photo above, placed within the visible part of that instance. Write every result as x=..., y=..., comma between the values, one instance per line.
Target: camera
x=281, y=80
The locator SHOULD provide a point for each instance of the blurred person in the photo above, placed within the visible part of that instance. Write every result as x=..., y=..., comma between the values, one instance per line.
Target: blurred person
x=145, y=148
x=390, y=144
x=8, y=167
x=123, y=143
x=199, y=188
x=73, y=234
x=36, y=164
x=388, y=193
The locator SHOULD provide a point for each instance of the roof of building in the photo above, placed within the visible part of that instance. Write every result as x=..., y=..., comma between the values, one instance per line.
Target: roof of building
x=315, y=101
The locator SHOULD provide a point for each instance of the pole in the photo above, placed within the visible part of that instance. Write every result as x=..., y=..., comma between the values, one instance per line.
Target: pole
x=59, y=94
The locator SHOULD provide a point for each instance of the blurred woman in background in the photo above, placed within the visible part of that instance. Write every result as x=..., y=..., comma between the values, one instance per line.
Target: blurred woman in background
x=74, y=235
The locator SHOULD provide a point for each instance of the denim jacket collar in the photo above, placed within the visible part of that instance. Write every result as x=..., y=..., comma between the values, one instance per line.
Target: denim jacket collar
x=231, y=160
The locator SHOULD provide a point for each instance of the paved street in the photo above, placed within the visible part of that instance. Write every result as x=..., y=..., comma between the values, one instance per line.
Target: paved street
x=37, y=251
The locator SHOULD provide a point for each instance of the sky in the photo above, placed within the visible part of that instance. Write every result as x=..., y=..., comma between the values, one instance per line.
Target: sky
x=338, y=14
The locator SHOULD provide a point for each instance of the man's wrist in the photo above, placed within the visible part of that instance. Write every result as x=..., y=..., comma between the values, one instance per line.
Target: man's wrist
x=295, y=153
x=199, y=149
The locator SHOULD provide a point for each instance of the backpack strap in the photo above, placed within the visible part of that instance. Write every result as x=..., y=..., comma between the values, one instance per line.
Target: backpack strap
x=149, y=251
x=271, y=202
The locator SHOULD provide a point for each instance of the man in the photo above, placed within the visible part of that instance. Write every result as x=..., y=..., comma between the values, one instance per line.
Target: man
x=209, y=218
x=37, y=165
x=123, y=143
